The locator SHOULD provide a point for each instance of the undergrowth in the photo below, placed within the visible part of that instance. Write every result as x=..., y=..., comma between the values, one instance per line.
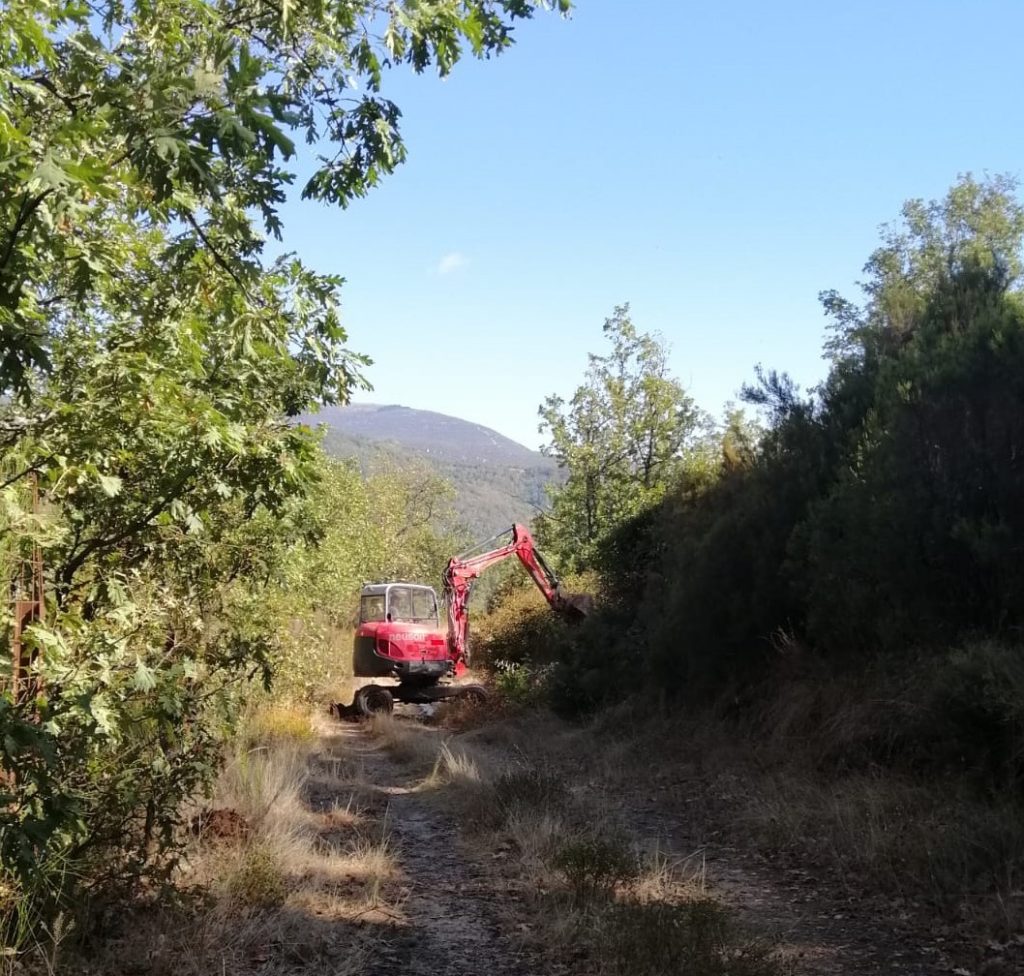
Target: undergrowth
x=696, y=937
x=270, y=879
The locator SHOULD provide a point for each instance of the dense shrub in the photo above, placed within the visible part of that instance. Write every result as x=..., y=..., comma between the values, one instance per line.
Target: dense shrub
x=592, y=865
x=973, y=714
x=875, y=522
x=696, y=937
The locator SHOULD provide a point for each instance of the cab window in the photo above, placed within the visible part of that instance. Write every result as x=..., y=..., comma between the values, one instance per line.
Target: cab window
x=424, y=606
x=398, y=605
x=371, y=608
x=412, y=605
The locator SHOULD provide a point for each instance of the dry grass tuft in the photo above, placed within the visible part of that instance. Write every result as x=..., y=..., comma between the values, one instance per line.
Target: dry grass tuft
x=265, y=786
x=413, y=744
x=694, y=937
x=536, y=835
x=273, y=724
x=258, y=880
x=454, y=766
x=445, y=762
x=662, y=877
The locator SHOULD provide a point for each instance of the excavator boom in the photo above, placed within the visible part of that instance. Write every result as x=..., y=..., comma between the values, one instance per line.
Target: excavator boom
x=463, y=570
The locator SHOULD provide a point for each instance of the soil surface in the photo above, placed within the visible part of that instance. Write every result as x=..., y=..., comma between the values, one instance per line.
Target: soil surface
x=461, y=919
x=823, y=931
x=827, y=924
x=454, y=922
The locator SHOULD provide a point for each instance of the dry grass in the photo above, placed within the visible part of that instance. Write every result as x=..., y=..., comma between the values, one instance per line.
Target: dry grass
x=662, y=876
x=696, y=937
x=594, y=892
x=801, y=785
x=316, y=665
x=271, y=724
x=408, y=743
x=910, y=840
x=292, y=893
x=264, y=784
x=440, y=758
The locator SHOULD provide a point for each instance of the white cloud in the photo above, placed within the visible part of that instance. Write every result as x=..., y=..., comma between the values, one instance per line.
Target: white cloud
x=452, y=262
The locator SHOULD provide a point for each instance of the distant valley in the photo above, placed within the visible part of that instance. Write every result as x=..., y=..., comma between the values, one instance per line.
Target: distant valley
x=497, y=480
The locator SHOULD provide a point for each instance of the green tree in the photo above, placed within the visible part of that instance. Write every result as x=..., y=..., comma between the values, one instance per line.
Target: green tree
x=916, y=537
x=181, y=115
x=978, y=226
x=395, y=522
x=620, y=440
x=150, y=357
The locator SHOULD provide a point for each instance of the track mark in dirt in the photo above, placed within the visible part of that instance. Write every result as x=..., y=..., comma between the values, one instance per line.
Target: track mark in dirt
x=450, y=916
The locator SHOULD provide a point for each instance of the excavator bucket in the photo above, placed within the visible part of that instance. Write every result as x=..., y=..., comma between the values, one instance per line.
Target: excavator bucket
x=575, y=606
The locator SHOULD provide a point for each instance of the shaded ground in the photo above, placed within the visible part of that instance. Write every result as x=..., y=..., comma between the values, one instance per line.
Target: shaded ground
x=825, y=924
x=453, y=921
x=461, y=918
x=833, y=923
x=821, y=931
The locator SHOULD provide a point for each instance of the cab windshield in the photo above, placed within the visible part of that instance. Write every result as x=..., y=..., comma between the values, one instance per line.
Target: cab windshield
x=412, y=604
x=371, y=607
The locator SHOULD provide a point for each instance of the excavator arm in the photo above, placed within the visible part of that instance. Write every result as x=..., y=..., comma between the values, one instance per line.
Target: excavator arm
x=463, y=570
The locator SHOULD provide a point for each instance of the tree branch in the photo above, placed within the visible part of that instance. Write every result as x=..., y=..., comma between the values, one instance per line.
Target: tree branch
x=34, y=466
x=96, y=545
x=219, y=258
x=25, y=212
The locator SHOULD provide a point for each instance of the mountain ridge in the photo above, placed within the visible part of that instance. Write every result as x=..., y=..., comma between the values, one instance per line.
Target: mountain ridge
x=452, y=438
x=497, y=480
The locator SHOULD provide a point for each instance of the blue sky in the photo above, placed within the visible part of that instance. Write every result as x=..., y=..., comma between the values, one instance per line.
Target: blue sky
x=715, y=165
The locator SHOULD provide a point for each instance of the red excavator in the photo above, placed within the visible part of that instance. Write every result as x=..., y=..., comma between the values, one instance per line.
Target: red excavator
x=399, y=634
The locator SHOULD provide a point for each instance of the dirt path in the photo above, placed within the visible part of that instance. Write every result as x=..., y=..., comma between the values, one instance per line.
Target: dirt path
x=459, y=919
x=451, y=917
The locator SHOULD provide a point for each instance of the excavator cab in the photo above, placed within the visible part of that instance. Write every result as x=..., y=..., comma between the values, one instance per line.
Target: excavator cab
x=399, y=634
x=400, y=637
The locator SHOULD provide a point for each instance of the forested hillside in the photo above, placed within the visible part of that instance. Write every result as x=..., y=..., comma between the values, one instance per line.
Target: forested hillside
x=497, y=482
x=436, y=435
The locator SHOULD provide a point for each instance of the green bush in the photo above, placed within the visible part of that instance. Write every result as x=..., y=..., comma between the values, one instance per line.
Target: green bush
x=695, y=938
x=593, y=865
x=973, y=715
x=521, y=683
x=521, y=630
x=603, y=661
